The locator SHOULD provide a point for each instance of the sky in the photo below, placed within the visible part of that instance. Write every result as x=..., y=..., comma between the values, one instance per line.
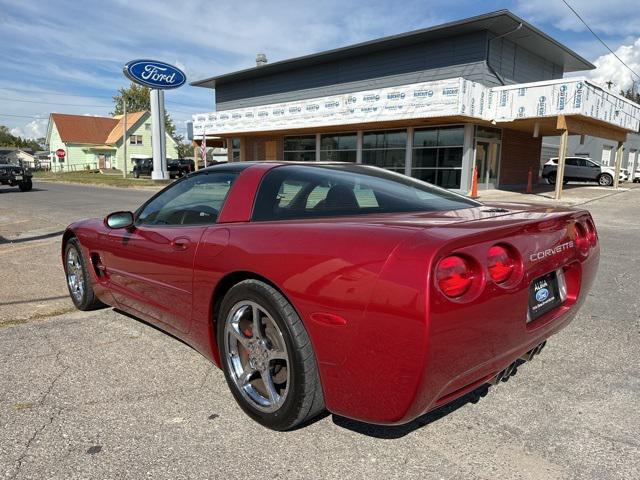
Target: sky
x=67, y=56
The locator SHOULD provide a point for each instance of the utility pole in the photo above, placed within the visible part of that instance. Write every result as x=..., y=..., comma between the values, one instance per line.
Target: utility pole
x=124, y=135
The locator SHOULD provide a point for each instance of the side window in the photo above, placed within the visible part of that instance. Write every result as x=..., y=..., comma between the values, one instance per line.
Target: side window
x=572, y=161
x=196, y=200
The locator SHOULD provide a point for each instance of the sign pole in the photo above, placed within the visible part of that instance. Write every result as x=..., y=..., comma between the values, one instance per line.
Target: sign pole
x=158, y=76
x=159, y=141
x=124, y=136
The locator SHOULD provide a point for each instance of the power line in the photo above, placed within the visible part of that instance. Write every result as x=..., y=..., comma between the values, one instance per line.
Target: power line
x=53, y=103
x=599, y=39
x=21, y=116
x=40, y=92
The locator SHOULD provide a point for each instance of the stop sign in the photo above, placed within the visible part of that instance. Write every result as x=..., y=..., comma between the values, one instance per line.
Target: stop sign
x=60, y=153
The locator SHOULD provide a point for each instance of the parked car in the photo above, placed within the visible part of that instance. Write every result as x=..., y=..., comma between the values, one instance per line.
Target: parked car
x=142, y=166
x=180, y=167
x=582, y=169
x=15, y=175
x=340, y=286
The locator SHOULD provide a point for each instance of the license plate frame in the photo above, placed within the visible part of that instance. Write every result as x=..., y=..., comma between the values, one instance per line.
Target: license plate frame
x=18, y=178
x=545, y=294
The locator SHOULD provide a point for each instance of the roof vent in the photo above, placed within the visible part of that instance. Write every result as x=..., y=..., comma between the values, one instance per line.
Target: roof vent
x=261, y=59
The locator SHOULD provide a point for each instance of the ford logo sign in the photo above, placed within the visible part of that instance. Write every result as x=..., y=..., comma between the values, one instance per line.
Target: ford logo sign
x=542, y=295
x=153, y=74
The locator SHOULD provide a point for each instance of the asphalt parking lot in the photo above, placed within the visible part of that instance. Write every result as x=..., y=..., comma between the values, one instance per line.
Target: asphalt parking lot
x=103, y=395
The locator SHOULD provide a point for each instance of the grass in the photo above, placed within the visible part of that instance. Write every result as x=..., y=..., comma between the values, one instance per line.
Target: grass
x=97, y=179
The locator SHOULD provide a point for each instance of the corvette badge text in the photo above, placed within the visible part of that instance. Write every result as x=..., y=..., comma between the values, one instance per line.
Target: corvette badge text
x=542, y=254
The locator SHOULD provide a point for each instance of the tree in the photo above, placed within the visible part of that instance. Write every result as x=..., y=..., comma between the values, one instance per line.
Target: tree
x=185, y=149
x=138, y=99
x=7, y=139
x=632, y=93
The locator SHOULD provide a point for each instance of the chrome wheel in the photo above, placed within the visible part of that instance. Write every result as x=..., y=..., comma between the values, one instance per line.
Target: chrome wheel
x=605, y=180
x=257, y=357
x=75, y=274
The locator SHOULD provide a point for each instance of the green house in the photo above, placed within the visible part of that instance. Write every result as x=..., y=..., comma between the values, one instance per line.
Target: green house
x=92, y=143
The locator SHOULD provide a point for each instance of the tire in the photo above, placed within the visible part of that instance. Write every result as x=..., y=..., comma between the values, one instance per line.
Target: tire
x=25, y=186
x=605, y=180
x=246, y=360
x=136, y=174
x=551, y=178
x=75, y=265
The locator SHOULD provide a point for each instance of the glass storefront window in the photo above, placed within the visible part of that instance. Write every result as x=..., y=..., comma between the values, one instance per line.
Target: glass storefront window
x=489, y=132
x=437, y=155
x=235, y=149
x=338, y=148
x=300, y=149
x=385, y=149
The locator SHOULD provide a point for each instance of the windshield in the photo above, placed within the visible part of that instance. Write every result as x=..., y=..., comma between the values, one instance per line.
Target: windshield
x=297, y=191
x=12, y=162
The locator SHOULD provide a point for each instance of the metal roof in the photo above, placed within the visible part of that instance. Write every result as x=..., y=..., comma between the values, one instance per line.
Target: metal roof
x=499, y=22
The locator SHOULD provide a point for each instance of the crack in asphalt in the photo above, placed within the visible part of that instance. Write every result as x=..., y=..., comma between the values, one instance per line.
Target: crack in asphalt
x=58, y=411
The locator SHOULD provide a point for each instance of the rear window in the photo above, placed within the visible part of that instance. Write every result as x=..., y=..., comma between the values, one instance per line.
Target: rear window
x=296, y=191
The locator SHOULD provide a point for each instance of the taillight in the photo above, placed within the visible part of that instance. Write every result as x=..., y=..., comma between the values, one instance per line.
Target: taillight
x=592, y=236
x=454, y=276
x=501, y=264
x=582, y=240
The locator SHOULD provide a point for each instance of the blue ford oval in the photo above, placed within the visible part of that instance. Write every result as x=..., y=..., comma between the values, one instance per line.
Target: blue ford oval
x=154, y=74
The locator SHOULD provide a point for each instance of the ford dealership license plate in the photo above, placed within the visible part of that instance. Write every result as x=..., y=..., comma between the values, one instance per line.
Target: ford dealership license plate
x=544, y=295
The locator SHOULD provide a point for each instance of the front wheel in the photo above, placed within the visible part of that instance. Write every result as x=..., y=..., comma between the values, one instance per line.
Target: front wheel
x=605, y=180
x=25, y=186
x=551, y=178
x=267, y=357
x=78, y=279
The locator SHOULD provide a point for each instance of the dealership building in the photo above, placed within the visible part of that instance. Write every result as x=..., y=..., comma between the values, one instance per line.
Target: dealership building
x=434, y=104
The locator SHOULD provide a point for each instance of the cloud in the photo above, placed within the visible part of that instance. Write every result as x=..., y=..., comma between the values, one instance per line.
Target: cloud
x=34, y=129
x=609, y=68
x=616, y=18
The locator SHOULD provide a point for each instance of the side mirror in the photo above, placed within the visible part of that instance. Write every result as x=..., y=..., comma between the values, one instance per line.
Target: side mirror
x=119, y=220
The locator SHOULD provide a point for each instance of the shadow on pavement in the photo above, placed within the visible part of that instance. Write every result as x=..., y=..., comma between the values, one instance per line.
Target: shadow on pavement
x=33, y=300
x=4, y=240
x=392, y=432
x=17, y=190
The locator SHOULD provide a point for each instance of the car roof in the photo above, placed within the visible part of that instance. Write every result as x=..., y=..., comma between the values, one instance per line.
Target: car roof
x=239, y=166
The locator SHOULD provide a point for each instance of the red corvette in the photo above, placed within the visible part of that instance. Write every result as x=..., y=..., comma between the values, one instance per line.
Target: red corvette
x=338, y=286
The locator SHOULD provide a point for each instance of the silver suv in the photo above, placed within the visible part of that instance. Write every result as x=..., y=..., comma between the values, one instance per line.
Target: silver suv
x=582, y=169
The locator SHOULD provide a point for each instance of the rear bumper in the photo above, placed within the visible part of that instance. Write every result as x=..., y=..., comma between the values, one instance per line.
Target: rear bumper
x=461, y=362
x=403, y=368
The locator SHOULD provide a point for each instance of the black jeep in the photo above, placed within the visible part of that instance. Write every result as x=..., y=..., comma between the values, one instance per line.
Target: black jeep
x=15, y=175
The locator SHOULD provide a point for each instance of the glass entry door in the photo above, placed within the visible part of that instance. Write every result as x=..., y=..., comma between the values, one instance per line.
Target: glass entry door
x=487, y=162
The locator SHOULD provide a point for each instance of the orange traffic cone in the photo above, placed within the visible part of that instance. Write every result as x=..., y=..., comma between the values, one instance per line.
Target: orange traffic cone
x=530, y=181
x=474, y=183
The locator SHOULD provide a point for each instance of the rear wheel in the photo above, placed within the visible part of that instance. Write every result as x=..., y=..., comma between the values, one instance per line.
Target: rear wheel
x=267, y=357
x=605, y=180
x=551, y=178
x=78, y=279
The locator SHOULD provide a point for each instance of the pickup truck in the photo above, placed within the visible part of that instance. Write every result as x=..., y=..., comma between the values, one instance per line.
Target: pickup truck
x=16, y=175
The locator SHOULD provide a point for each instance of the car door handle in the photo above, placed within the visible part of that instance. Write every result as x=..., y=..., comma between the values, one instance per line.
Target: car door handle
x=180, y=244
